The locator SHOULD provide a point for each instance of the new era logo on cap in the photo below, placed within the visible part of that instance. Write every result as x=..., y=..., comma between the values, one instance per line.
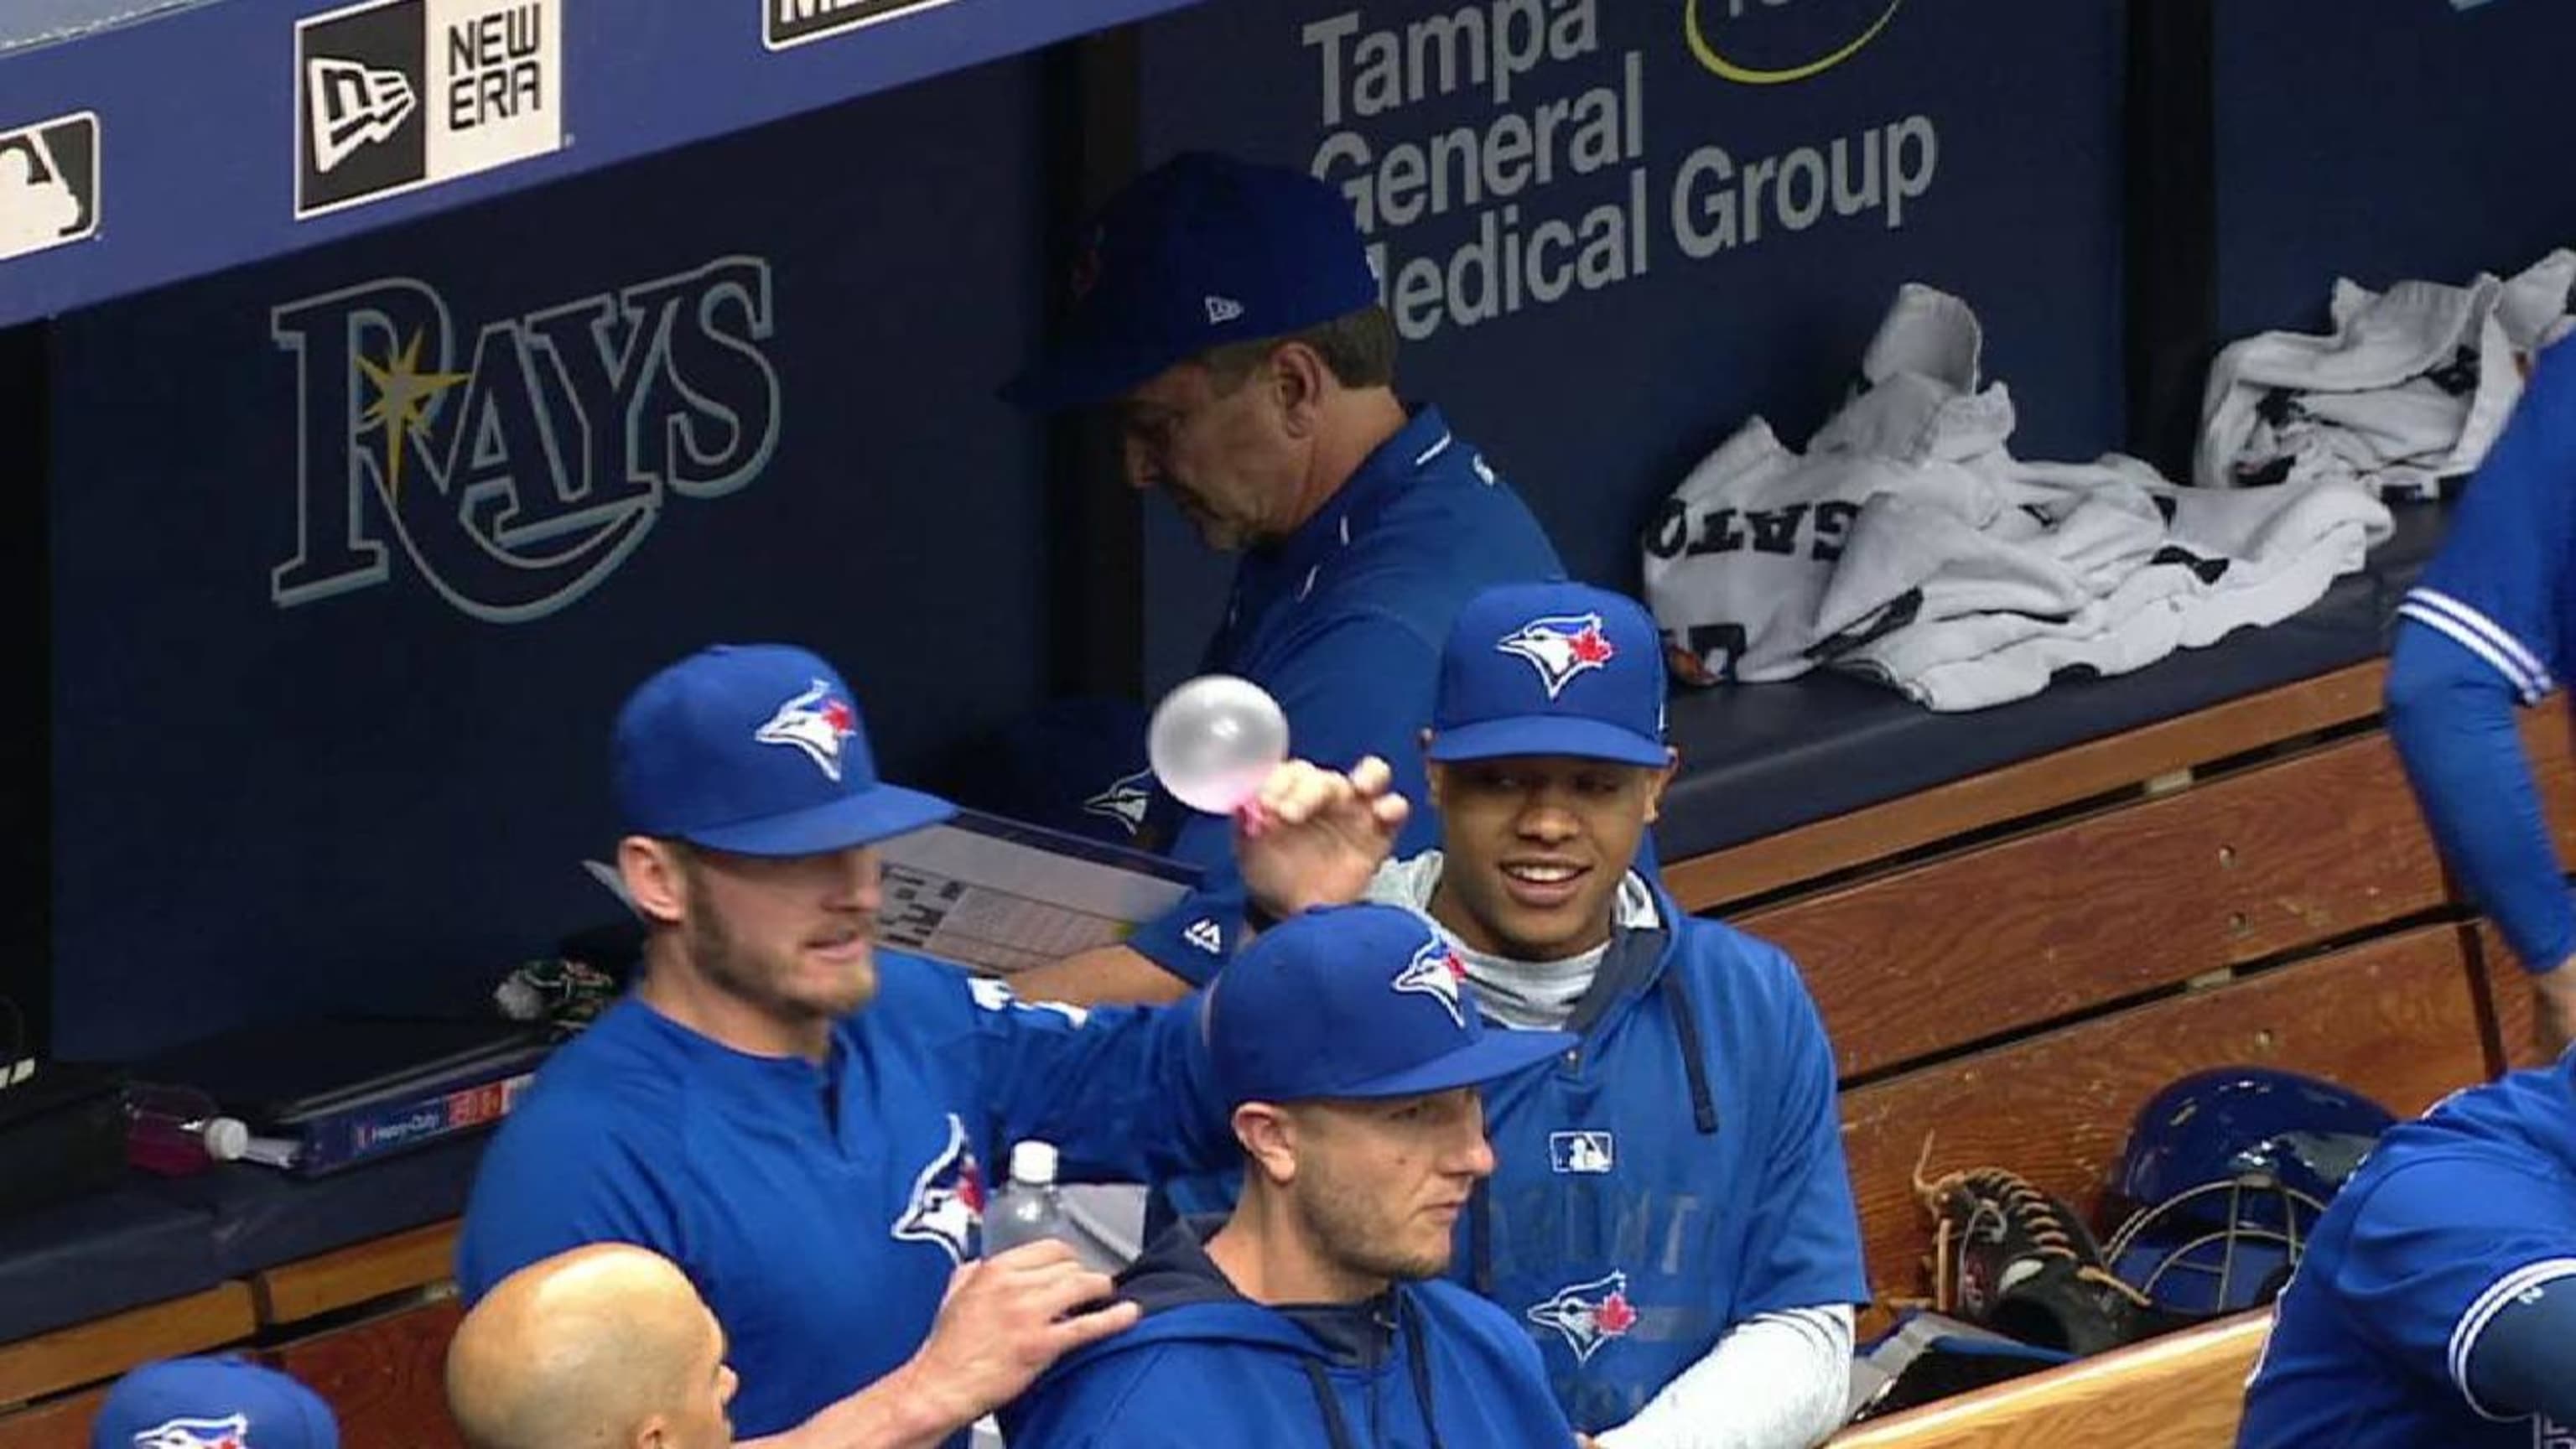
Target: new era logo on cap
x=815, y=722
x=1560, y=648
x=1221, y=310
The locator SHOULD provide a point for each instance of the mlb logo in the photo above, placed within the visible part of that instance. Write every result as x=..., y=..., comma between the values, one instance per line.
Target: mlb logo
x=48, y=184
x=398, y=94
x=1582, y=1153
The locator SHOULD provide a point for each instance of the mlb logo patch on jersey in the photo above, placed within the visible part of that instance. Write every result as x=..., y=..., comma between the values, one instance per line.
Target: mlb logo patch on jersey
x=1435, y=971
x=1582, y=1152
x=1560, y=647
x=815, y=722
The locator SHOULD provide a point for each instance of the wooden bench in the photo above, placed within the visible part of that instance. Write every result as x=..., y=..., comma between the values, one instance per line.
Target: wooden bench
x=2184, y=1391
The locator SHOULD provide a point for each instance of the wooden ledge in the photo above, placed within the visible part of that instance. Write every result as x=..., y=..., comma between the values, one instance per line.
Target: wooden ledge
x=2184, y=1391
x=103, y=1348
x=352, y=1275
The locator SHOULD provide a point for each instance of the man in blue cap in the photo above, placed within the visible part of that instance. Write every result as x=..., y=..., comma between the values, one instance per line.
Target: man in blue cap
x=797, y=1119
x=1228, y=314
x=1315, y=1315
x=212, y=1403
x=1672, y=1218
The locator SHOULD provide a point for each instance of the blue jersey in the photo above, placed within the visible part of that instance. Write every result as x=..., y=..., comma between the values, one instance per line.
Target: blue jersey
x=820, y=1209
x=1342, y=623
x=1423, y=1366
x=2486, y=627
x=2455, y=1224
x=1678, y=1173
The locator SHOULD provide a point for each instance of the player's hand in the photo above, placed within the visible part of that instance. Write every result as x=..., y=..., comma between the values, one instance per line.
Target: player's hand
x=2554, y=1015
x=1004, y=1320
x=1313, y=836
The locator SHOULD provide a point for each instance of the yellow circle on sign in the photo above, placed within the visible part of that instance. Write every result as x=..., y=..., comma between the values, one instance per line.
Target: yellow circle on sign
x=1754, y=76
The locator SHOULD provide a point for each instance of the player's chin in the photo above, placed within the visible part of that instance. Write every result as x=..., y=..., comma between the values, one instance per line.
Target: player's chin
x=841, y=980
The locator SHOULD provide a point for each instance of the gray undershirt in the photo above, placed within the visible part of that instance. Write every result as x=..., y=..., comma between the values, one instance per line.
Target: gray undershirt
x=1529, y=995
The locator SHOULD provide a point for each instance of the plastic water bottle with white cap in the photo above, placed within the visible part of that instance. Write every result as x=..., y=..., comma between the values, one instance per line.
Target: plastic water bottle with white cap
x=1027, y=1208
x=176, y=1131
x=1214, y=740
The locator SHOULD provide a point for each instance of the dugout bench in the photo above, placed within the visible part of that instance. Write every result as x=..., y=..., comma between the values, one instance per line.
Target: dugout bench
x=2213, y=861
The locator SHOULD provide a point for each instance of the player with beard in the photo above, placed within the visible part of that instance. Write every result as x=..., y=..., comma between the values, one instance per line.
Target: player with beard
x=1672, y=1218
x=1315, y=1314
x=797, y=1118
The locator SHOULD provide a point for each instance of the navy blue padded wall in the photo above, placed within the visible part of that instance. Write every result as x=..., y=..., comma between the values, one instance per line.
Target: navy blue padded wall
x=326, y=740
x=1713, y=293
x=2384, y=139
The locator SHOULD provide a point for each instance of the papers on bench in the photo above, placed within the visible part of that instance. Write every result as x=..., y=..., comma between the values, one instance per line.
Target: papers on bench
x=997, y=895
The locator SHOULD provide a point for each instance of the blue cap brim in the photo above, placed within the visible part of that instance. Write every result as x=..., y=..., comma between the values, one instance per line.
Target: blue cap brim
x=1500, y=1052
x=1528, y=736
x=880, y=812
x=1079, y=375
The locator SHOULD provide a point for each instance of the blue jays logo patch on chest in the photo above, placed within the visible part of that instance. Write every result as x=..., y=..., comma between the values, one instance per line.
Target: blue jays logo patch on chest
x=947, y=1202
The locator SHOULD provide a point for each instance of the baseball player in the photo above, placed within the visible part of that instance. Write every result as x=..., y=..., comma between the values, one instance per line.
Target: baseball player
x=2436, y=1302
x=798, y=1120
x=1315, y=1314
x=2487, y=629
x=605, y=1345
x=1671, y=1219
x=212, y=1401
x=1228, y=313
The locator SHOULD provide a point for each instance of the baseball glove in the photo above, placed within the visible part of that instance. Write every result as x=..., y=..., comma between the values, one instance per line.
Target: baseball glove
x=2010, y=1257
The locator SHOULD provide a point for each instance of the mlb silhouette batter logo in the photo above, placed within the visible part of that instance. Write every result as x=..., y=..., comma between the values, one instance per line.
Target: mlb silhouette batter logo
x=1560, y=647
x=814, y=722
x=1435, y=971
x=229, y=1432
x=1588, y=1314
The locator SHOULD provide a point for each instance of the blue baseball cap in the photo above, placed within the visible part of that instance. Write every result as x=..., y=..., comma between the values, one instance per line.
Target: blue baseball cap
x=1357, y=1001
x=1551, y=669
x=757, y=749
x=215, y=1402
x=1201, y=251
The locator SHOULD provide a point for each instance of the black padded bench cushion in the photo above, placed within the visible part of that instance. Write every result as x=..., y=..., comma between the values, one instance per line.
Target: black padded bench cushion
x=1758, y=759
x=260, y=1218
x=98, y=1255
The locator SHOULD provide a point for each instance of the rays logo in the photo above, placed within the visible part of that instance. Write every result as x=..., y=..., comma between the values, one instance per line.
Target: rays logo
x=1709, y=26
x=1435, y=971
x=1588, y=1314
x=229, y=1432
x=1125, y=801
x=518, y=482
x=947, y=1202
x=1560, y=647
x=815, y=722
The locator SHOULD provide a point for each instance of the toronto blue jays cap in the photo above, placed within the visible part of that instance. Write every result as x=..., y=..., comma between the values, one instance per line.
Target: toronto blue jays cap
x=1201, y=251
x=757, y=749
x=1551, y=669
x=1356, y=1001
x=217, y=1403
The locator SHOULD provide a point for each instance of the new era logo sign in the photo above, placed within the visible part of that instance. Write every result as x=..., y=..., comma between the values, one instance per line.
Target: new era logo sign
x=1222, y=309
x=794, y=22
x=353, y=106
x=48, y=184
x=398, y=94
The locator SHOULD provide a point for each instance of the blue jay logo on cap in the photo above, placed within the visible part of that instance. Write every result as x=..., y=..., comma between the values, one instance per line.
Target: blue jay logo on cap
x=947, y=1202
x=1125, y=801
x=1559, y=647
x=232, y=1431
x=816, y=723
x=1435, y=971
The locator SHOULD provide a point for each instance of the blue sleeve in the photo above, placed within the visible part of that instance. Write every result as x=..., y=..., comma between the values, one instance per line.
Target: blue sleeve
x=1358, y=685
x=1125, y=1093
x=556, y=1178
x=2451, y=716
x=2498, y=586
x=1804, y=1250
x=2439, y=1250
x=2525, y=1361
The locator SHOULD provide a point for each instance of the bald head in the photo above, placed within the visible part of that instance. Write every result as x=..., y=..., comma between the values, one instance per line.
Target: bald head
x=608, y=1345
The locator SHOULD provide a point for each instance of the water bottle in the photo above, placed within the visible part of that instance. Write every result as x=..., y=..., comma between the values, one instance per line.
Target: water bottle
x=1027, y=1208
x=175, y=1131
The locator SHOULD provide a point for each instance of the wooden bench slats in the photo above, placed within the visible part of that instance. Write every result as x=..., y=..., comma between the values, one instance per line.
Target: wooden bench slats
x=352, y=1275
x=2027, y=787
x=2115, y=905
x=2394, y=1018
x=385, y=1377
x=60, y=1424
x=86, y=1353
